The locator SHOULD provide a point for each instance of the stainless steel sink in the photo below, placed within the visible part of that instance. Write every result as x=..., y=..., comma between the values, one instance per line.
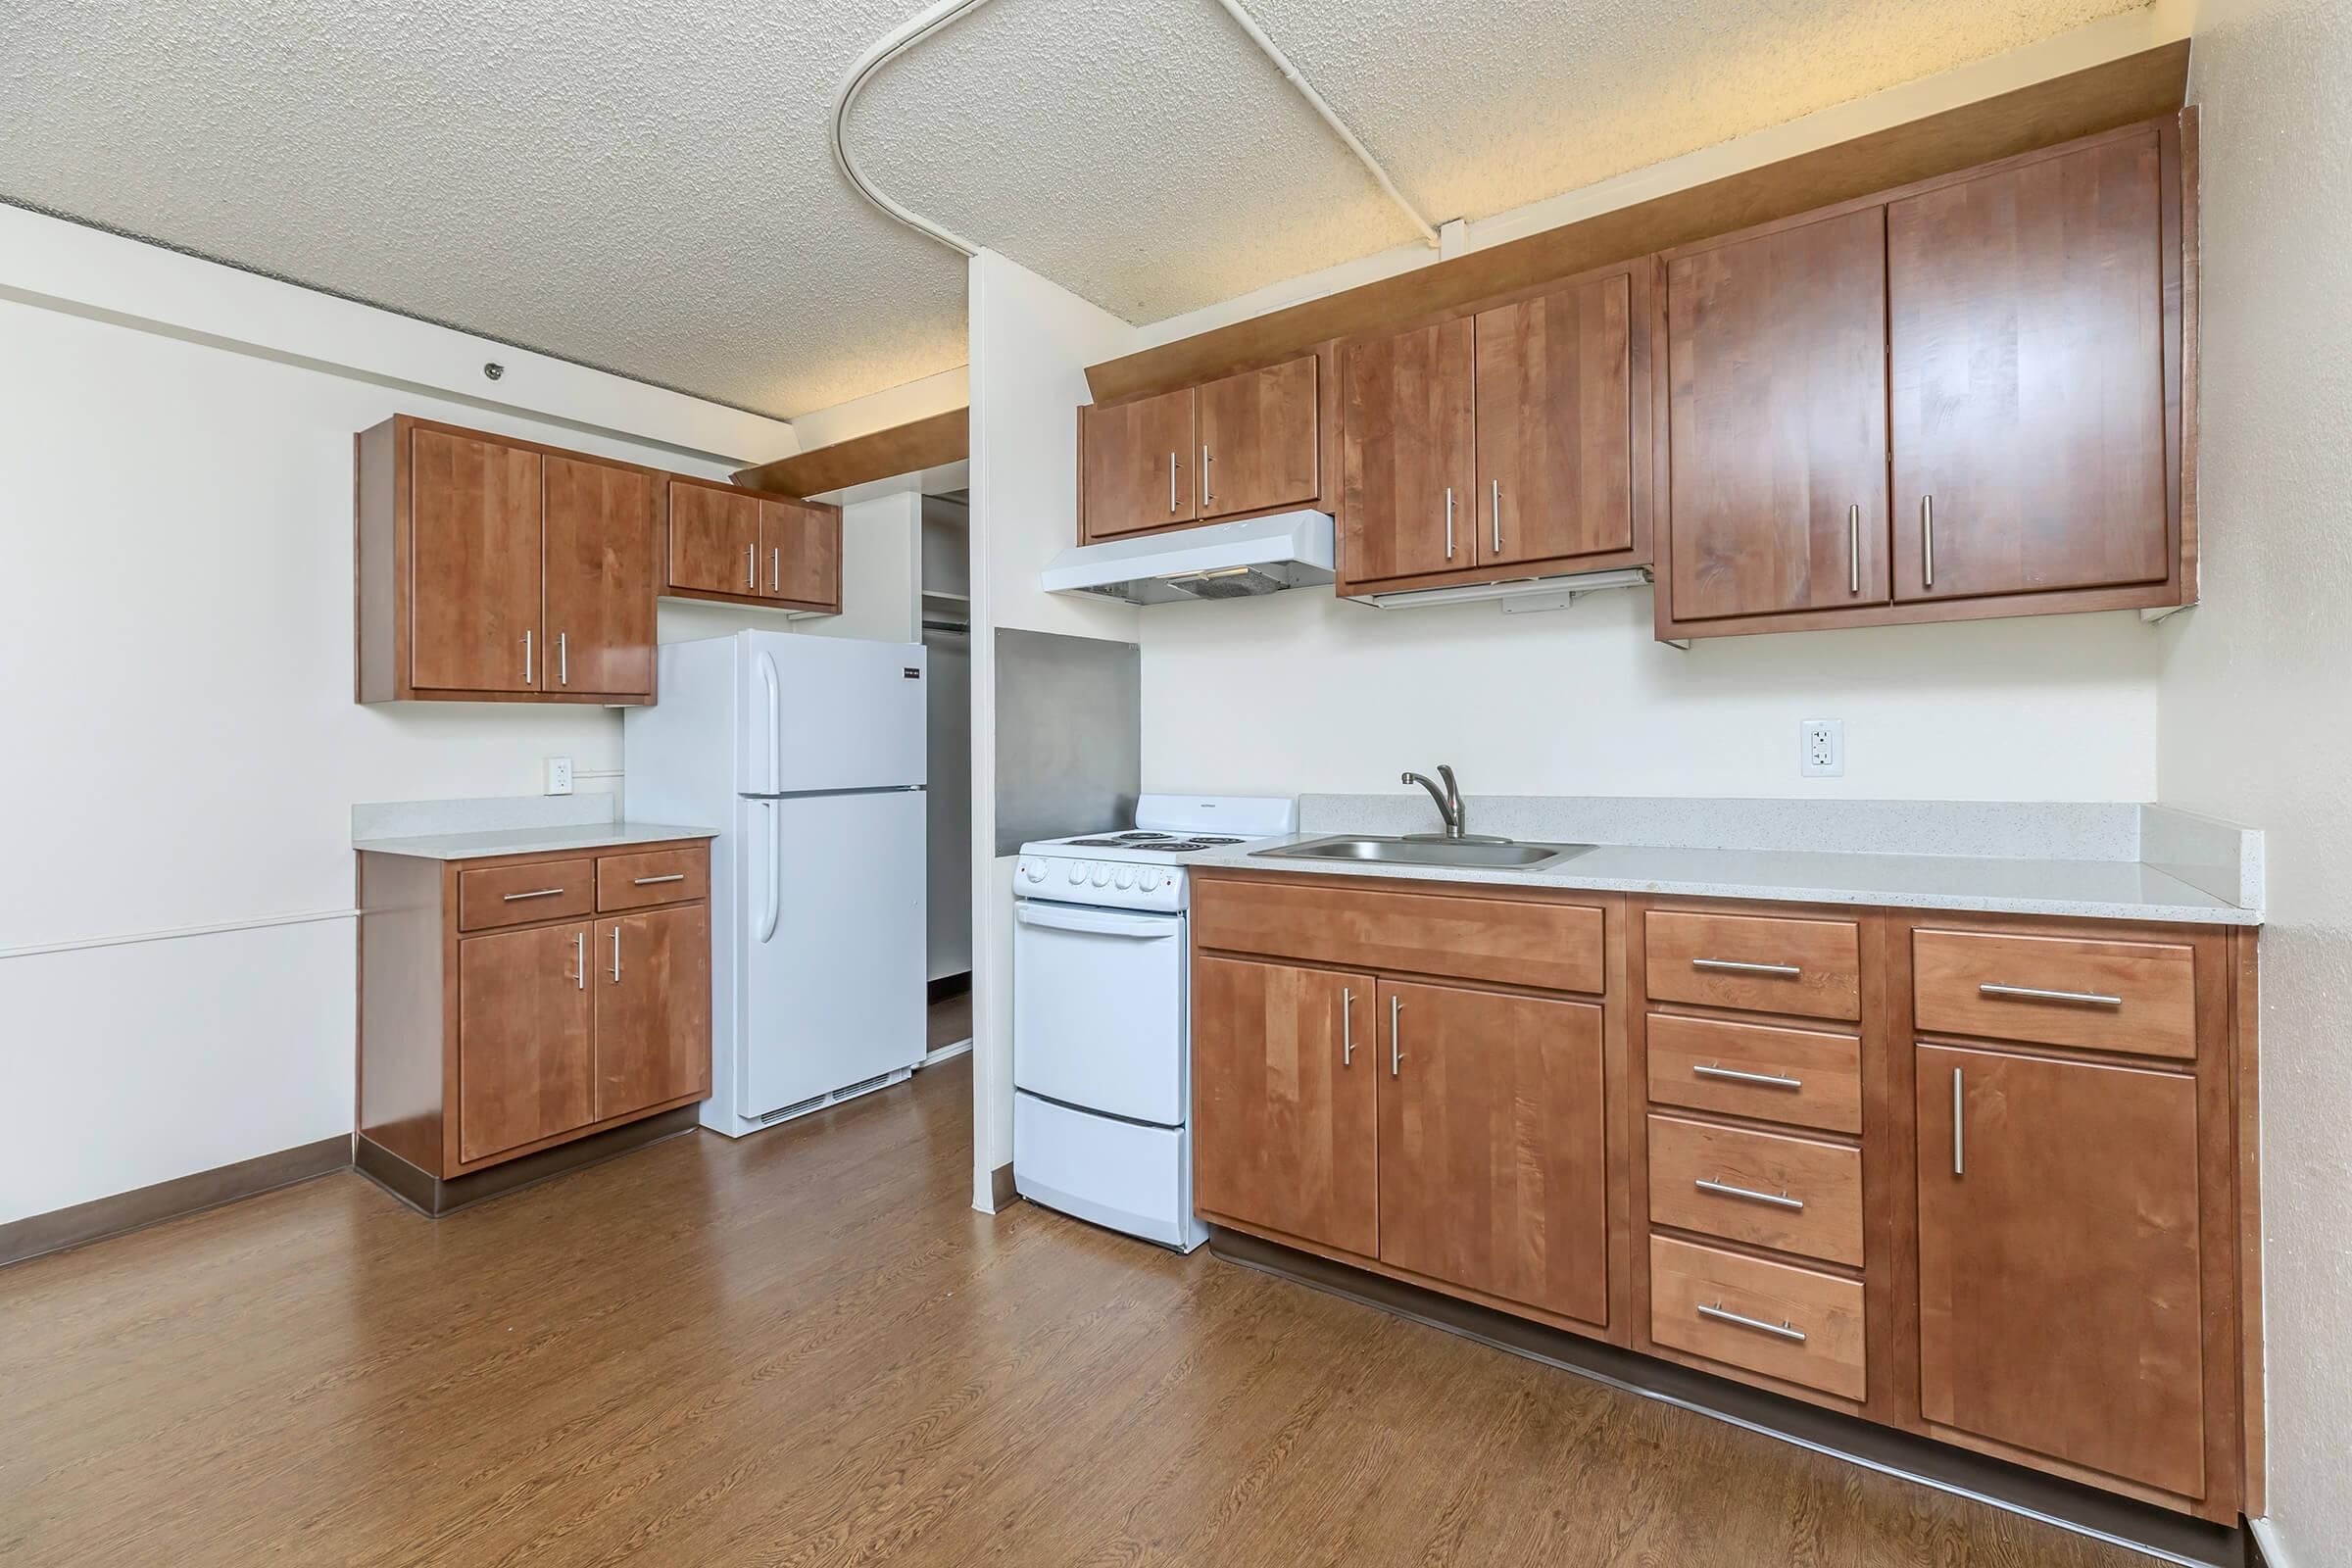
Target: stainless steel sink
x=1491, y=854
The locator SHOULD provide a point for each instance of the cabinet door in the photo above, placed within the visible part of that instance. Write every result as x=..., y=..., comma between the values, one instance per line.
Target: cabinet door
x=524, y=1069
x=2028, y=358
x=1284, y=1064
x=1258, y=439
x=474, y=509
x=600, y=533
x=714, y=540
x=1138, y=464
x=1555, y=425
x=2059, y=1271
x=1494, y=1145
x=1405, y=468
x=1777, y=348
x=653, y=1008
x=799, y=553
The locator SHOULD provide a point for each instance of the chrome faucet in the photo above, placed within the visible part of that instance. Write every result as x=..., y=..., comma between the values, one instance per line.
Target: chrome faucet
x=1448, y=799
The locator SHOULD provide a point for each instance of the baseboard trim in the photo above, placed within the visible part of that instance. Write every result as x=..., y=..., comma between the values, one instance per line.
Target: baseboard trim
x=38, y=1235
x=1001, y=1194
x=434, y=1196
x=2069, y=1505
x=961, y=1048
x=950, y=984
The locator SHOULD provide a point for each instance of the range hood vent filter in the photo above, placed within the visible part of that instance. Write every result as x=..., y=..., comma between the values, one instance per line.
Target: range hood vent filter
x=1244, y=560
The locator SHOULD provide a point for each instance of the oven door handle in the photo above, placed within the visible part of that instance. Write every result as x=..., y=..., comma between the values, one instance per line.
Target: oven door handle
x=1097, y=922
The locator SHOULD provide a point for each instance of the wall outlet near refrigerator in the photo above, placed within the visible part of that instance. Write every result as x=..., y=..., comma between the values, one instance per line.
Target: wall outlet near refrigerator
x=559, y=775
x=1820, y=746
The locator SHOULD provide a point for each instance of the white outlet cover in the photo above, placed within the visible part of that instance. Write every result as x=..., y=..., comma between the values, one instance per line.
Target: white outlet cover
x=1821, y=748
x=559, y=775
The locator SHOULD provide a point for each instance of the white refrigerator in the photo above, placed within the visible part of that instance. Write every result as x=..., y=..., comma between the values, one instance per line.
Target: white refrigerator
x=806, y=754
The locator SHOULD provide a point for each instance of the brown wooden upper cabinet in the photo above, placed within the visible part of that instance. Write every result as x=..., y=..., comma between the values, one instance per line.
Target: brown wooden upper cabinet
x=1244, y=443
x=1962, y=398
x=493, y=569
x=741, y=546
x=1498, y=444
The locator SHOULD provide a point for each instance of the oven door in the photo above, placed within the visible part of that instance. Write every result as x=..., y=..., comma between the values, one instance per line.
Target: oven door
x=1099, y=1010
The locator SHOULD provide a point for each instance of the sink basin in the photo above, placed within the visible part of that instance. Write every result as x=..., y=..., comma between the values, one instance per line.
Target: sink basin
x=1428, y=852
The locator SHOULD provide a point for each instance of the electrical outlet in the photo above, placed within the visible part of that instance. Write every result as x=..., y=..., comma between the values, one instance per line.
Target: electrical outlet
x=1821, y=748
x=559, y=775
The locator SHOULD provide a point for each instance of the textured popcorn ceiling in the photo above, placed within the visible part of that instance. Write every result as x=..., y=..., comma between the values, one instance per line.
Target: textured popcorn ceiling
x=646, y=186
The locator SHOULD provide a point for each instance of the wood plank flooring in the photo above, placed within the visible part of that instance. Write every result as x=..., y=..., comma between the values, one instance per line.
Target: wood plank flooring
x=806, y=1348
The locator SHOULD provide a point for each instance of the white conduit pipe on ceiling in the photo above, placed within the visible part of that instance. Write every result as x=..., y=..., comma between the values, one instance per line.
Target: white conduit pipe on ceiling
x=908, y=33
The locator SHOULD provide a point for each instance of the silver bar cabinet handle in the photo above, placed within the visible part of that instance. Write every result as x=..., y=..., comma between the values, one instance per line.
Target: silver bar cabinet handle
x=1709, y=1071
x=616, y=955
x=1495, y=505
x=563, y=659
x=1727, y=1190
x=1853, y=549
x=1347, y=1028
x=1959, y=1167
x=649, y=881
x=1205, y=495
x=526, y=658
x=1450, y=523
x=775, y=569
x=1395, y=1036
x=1172, y=484
x=751, y=568
x=1778, y=1330
x=1927, y=536
x=579, y=958
x=535, y=893
x=1736, y=966
x=2097, y=999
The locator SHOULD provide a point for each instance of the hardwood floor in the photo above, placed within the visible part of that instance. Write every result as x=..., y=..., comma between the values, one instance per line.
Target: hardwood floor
x=949, y=1021
x=806, y=1348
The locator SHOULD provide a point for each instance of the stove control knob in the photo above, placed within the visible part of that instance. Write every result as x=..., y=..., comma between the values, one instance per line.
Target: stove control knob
x=1102, y=876
x=1148, y=881
x=1033, y=871
x=1126, y=877
x=1077, y=872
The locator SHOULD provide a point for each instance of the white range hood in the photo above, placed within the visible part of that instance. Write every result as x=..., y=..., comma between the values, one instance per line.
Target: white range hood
x=1219, y=561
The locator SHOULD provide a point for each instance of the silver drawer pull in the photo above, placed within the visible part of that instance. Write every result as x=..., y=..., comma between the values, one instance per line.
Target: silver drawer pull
x=649, y=881
x=1737, y=967
x=1707, y=1070
x=1780, y=1330
x=535, y=893
x=2036, y=993
x=1727, y=1190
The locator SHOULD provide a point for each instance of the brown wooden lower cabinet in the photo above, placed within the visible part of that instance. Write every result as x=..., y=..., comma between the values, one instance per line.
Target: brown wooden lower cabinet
x=2038, y=1246
x=478, y=1045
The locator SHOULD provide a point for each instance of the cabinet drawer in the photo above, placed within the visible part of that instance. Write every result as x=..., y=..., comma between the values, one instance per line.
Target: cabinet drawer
x=1752, y=1069
x=1774, y=1318
x=2136, y=997
x=1759, y=964
x=1552, y=947
x=1794, y=1194
x=652, y=877
x=516, y=895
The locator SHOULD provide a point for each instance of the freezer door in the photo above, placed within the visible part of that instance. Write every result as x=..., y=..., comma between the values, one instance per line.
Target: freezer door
x=832, y=943
x=826, y=714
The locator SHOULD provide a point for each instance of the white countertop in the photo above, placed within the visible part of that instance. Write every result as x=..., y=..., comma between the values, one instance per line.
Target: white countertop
x=2106, y=890
x=530, y=840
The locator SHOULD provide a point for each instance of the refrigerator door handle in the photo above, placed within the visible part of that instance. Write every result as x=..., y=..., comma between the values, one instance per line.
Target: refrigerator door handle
x=773, y=685
x=774, y=908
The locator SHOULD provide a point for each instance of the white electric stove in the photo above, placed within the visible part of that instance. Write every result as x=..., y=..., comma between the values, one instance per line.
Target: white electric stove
x=1102, y=1018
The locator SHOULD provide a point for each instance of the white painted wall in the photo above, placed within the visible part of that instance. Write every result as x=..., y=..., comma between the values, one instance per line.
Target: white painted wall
x=1031, y=343
x=176, y=635
x=2253, y=693
x=1300, y=692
